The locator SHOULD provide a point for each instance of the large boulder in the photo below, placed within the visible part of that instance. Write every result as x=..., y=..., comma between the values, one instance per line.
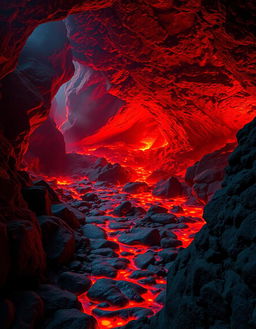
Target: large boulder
x=58, y=239
x=169, y=188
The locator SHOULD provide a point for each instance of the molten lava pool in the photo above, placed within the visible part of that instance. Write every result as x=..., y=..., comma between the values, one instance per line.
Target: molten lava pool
x=128, y=275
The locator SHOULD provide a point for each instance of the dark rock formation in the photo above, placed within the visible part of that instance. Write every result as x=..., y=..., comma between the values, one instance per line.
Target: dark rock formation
x=206, y=175
x=169, y=188
x=212, y=282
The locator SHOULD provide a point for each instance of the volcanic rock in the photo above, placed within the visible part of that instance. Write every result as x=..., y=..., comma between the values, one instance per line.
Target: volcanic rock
x=156, y=210
x=58, y=239
x=71, y=318
x=168, y=255
x=136, y=187
x=169, y=188
x=170, y=243
x=163, y=218
x=68, y=214
x=92, y=231
x=106, y=290
x=123, y=209
x=145, y=236
x=74, y=282
x=102, y=243
x=143, y=260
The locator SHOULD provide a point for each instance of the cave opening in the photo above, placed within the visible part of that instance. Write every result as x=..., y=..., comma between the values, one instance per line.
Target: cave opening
x=119, y=131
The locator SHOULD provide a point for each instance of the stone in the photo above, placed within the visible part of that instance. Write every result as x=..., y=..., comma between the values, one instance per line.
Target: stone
x=74, y=282
x=58, y=239
x=170, y=243
x=106, y=290
x=168, y=255
x=103, y=269
x=156, y=210
x=143, y=260
x=56, y=298
x=145, y=236
x=92, y=231
x=90, y=197
x=169, y=188
x=136, y=187
x=163, y=218
x=123, y=209
x=68, y=214
x=71, y=318
x=102, y=243
x=131, y=290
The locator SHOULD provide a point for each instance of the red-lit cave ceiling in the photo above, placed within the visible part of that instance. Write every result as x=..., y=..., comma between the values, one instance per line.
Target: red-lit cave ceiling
x=183, y=70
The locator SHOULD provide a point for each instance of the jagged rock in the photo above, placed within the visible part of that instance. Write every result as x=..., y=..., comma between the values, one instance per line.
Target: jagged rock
x=58, y=239
x=68, y=214
x=74, y=282
x=143, y=260
x=93, y=232
x=71, y=318
x=123, y=209
x=52, y=194
x=169, y=188
x=136, y=187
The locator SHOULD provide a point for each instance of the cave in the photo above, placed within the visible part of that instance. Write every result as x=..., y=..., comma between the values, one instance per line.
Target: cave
x=127, y=164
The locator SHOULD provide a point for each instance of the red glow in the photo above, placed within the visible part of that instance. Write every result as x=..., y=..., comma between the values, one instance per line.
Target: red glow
x=145, y=200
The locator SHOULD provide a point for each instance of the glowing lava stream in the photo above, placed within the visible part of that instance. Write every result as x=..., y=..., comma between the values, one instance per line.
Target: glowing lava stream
x=144, y=200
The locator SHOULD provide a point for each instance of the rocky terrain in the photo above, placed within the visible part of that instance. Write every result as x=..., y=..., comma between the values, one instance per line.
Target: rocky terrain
x=186, y=73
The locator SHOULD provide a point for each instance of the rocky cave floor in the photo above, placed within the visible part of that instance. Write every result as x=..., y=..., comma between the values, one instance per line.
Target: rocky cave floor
x=119, y=245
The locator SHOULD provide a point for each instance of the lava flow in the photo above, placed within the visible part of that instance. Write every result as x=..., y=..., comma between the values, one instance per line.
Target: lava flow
x=138, y=283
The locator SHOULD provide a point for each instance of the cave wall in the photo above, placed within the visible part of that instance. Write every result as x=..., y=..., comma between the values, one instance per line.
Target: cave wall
x=25, y=98
x=190, y=64
x=212, y=282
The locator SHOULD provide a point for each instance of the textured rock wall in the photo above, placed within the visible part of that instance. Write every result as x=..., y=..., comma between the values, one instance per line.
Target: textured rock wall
x=190, y=64
x=212, y=282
